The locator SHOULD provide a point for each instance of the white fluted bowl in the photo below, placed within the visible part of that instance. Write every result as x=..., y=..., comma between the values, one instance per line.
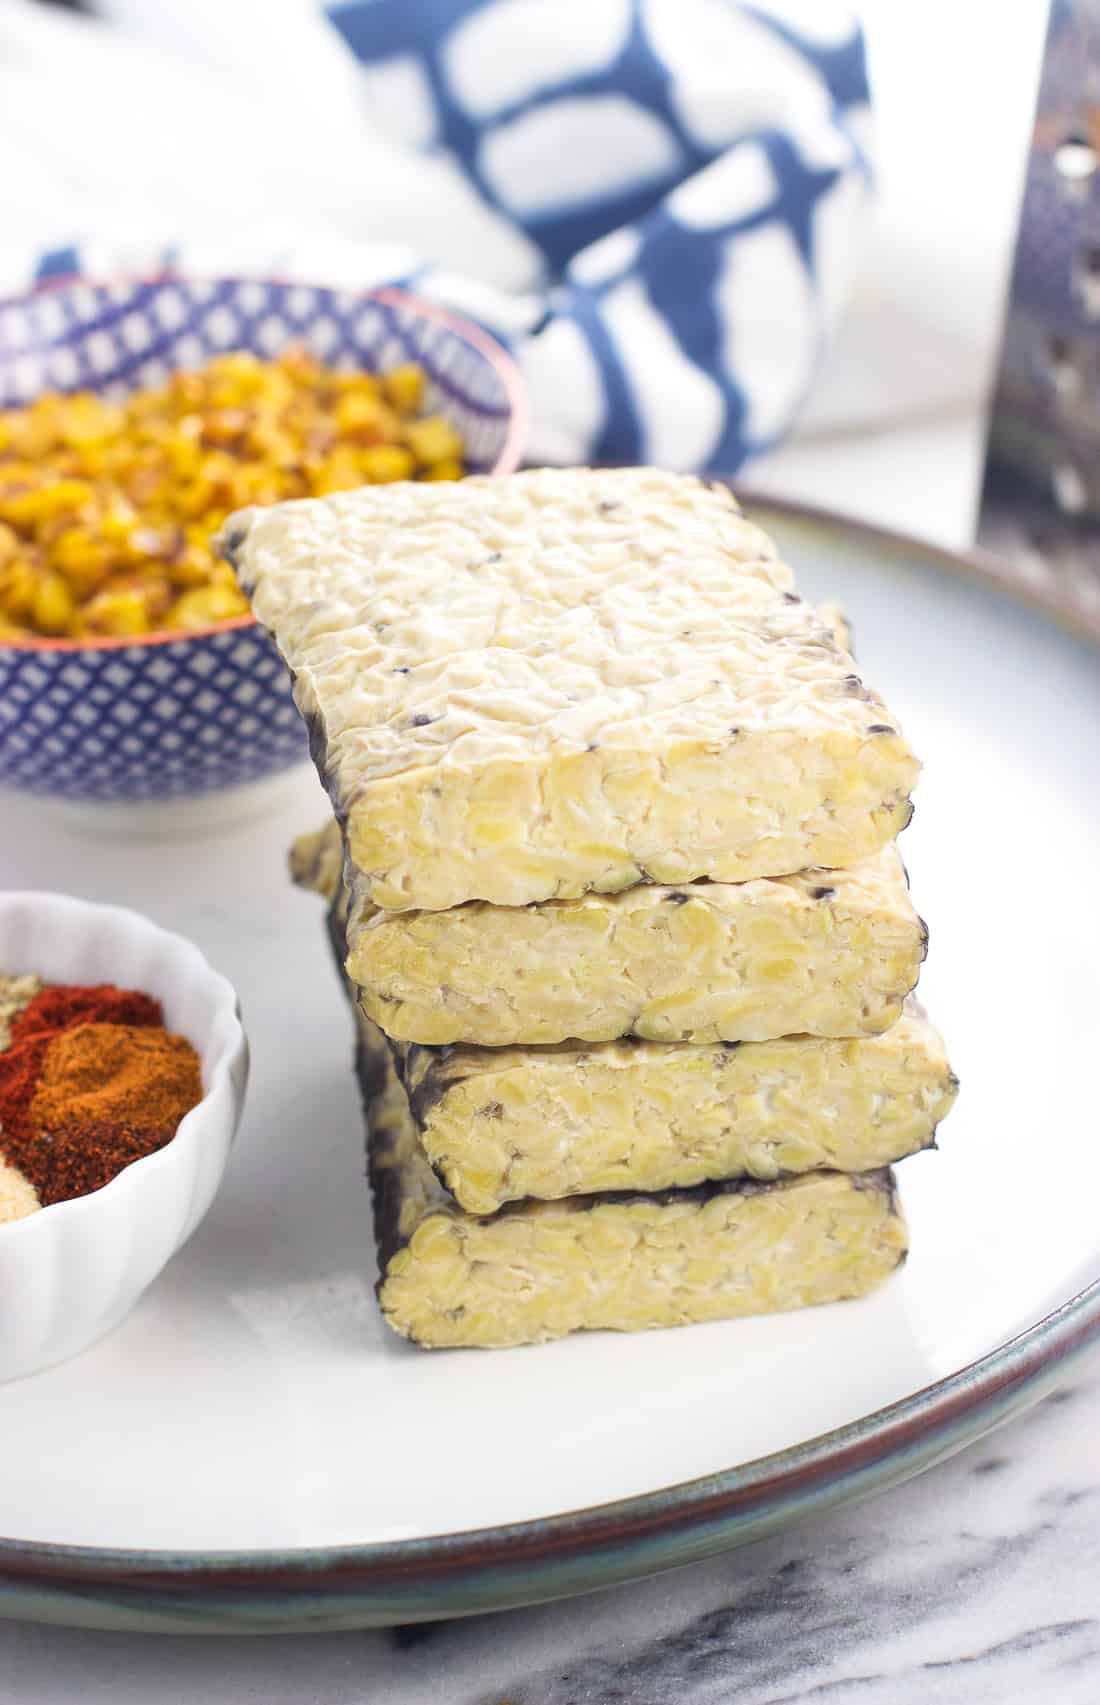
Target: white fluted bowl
x=72, y=1271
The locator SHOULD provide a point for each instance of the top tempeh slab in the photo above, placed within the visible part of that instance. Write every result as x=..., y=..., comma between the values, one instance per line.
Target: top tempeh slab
x=526, y=688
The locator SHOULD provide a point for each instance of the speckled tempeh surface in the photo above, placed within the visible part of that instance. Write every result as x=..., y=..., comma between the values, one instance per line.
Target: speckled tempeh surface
x=567, y=680
x=540, y=1270
x=501, y=1124
x=822, y=953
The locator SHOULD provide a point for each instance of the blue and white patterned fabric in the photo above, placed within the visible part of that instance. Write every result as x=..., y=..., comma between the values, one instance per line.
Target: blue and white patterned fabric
x=685, y=177
x=688, y=170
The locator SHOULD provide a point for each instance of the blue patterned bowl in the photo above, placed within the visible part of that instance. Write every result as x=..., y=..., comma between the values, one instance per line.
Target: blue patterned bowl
x=174, y=715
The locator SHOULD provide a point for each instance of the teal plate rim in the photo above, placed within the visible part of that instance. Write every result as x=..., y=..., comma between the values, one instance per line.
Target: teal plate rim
x=385, y=1583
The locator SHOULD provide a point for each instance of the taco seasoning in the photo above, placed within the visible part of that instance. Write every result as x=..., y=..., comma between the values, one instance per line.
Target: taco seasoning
x=90, y=1080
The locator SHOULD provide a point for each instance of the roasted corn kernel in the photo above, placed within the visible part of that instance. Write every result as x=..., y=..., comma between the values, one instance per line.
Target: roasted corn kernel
x=384, y=463
x=107, y=510
x=450, y=468
x=404, y=387
x=433, y=440
x=53, y=607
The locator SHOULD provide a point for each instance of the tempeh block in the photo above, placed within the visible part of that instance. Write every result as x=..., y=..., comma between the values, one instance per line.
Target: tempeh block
x=526, y=688
x=501, y=1124
x=823, y=953
x=540, y=1270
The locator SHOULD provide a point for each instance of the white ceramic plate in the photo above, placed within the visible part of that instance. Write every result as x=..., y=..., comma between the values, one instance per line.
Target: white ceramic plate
x=254, y=1448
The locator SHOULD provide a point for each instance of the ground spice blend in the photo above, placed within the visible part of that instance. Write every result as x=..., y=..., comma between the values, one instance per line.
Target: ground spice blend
x=20, y=1068
x=58, y=1006
x=91, y=1081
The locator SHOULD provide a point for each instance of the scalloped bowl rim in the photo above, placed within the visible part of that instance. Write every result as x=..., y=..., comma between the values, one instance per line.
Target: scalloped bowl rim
x=227, y=1045
x=488, y=347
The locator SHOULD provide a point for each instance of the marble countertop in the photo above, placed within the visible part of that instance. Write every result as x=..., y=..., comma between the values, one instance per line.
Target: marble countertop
x=973, y=1585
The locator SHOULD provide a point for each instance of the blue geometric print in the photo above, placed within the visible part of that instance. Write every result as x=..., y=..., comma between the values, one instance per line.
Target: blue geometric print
x=176, y=719
x=661, y=110
x=384, y=30
x=378, y=30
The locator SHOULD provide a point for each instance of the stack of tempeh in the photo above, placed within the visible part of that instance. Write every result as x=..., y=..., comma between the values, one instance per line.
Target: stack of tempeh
x=616, y=886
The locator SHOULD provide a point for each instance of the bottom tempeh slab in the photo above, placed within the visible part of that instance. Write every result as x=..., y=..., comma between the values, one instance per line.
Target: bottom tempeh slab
x=626, y=1262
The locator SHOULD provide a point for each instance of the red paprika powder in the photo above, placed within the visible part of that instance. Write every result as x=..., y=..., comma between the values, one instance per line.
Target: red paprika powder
x=20, y=1068
x=59, y=1006
x=90, y=1082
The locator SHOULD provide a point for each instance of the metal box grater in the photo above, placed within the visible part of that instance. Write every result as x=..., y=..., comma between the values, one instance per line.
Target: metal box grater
x=1040, y=505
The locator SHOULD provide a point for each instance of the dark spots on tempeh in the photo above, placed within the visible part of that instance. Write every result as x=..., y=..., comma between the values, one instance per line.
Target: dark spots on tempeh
x=676, y=897
x=607, y=505
x=822, y=893
x=441, y=1170
x=881, y=1179
x=401, y=669
x=593, y=746
x=881, y=728
x=317, y=737
x=923, y=938
x=426, y=1080
x=421, y=720
x=734, y=731
x=231, y=541
x=791, y=598
x=491, y=1110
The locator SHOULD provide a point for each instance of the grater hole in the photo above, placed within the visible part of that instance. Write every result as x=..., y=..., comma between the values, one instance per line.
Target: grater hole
x=1085, y=280
x=1060, y=364
x=1075, y=159
x=1070, y=491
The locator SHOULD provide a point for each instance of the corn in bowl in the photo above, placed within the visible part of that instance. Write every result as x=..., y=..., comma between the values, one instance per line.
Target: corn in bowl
x=107, y=509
